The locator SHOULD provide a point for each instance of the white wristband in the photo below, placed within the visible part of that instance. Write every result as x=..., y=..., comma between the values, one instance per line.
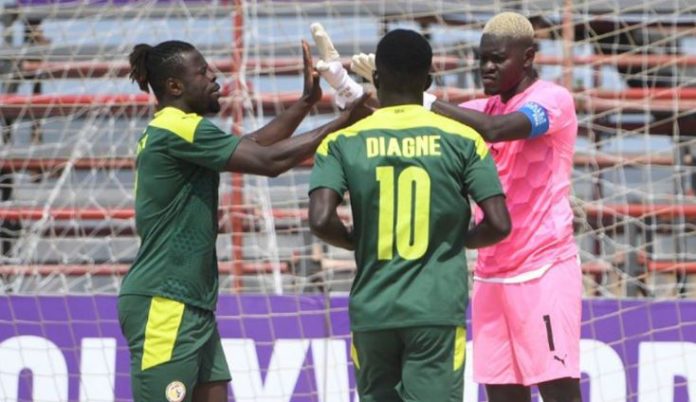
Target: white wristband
x=347, y=90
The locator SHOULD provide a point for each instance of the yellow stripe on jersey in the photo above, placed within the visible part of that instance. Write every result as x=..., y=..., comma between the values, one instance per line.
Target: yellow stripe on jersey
x=174, y=120
x=163, y=321
x=323, y=148
x=404, y=117
x=354, y=353
x=459, y=347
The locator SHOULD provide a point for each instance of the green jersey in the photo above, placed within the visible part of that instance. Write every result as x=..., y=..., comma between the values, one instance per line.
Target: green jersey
x=179, y=158
x=409, y=173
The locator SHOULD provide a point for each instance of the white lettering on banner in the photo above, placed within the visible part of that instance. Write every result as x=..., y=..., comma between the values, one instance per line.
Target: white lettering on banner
x=471, y=389
x=97, y=369
x=46, y=363
x=658, y=366
x=606, y=371
x=659, y=363
x=283, y=370
x=330, y=359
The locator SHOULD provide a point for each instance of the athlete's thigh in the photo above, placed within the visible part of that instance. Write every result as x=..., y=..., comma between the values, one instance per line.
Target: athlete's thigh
x=433, y=367
x=213, y=367
x=544, y=319
x=211, y=392
x=491, y=336
x=165, y=339
x=377, y=361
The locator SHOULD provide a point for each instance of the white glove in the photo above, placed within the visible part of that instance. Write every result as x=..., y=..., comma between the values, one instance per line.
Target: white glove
x=428, y=100
x=331, y=68
x=364, y=65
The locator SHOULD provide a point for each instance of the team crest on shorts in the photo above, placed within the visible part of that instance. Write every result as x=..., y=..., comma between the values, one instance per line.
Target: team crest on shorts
x=176, y=391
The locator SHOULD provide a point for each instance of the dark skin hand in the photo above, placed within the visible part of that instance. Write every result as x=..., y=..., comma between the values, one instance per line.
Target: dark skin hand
x=269, y=151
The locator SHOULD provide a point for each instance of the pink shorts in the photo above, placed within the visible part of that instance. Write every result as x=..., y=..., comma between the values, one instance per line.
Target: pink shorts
x=527, y=333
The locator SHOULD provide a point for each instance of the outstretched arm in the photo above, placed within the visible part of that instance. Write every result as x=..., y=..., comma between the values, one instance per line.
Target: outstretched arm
x=506, y=127
x=324, y=221
x=285, y=123
x=494, y=227
x=274, y=159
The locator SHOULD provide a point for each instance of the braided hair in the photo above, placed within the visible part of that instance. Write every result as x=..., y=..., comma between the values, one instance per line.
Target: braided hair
x=152, y=65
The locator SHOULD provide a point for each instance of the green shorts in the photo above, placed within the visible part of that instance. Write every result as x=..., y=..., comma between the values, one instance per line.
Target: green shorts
x=415, y=364
x=173, y=348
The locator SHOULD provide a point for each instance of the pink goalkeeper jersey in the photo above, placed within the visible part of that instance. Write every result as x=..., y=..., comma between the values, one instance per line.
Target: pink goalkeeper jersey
x=535, y=174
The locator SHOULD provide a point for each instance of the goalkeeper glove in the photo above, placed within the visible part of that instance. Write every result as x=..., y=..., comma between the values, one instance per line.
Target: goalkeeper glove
x=331, y=69
x=364, y=65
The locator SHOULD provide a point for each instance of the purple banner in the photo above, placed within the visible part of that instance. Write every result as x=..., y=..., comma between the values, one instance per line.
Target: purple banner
x=296, y=349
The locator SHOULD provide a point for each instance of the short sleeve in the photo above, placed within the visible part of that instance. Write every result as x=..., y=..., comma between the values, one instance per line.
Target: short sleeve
x=481, y=176
x=328, y=170
x=209, y=147
x=554, y=104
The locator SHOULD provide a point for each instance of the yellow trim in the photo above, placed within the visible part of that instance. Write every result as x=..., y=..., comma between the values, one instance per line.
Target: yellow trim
x=404, y=117
x=163, y=321
x=459, y=347
x=385, y=226
x=418, y=204
x=174, y=120
x=323, y=148
x=354, y=353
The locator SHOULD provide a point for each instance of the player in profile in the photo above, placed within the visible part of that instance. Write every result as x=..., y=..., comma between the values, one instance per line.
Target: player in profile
x=526, y=304
x=168, y=297
x=409, y=173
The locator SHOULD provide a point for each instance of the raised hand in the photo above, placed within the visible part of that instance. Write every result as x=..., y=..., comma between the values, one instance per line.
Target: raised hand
x=331, y=68
x=363, y=65
x=311, y=93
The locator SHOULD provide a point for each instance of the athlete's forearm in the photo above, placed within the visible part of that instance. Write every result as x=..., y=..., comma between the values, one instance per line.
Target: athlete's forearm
x=272, y=160
x=480, y=122
x=283, y=125
x=483, y=235
x=324, y=221
x=290, y=152
x=493, y=128
x=494, y=227
x=333, y=232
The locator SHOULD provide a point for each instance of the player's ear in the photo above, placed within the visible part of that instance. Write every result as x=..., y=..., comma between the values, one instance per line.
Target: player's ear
x=529, y=53
x=428, y=82
x=174, y=86
x=375, y=79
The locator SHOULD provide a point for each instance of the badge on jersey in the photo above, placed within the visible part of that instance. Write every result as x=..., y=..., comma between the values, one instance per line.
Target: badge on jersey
x=538, y=118
x=175, y=392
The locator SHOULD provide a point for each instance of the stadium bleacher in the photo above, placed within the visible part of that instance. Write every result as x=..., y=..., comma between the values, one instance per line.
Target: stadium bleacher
x=635, y=208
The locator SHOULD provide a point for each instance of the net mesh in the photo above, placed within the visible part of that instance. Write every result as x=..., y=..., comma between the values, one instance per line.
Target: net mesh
x=71, y=118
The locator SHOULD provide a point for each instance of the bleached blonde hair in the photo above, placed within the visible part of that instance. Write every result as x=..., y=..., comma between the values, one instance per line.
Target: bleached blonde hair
x=511, y=25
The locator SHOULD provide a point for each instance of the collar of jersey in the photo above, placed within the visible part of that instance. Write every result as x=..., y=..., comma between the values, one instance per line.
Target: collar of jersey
x=173, y=110
x=409, y=108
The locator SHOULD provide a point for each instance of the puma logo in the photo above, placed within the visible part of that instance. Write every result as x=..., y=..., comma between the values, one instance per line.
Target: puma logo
x=561, y=360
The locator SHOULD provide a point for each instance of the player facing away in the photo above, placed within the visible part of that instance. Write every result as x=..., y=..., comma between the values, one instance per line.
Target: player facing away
x=409, y=173
x=526, y=303
x=167, y=300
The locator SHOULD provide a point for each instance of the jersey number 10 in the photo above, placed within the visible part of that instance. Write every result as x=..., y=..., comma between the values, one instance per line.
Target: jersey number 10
x=412, y=212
